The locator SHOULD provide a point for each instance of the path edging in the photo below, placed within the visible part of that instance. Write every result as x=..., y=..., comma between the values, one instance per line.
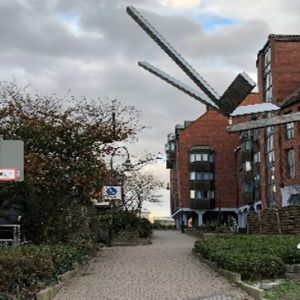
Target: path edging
x=49, y=292
x=234, y=277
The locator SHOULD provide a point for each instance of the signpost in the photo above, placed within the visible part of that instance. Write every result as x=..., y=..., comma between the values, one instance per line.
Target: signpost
x=111, y=193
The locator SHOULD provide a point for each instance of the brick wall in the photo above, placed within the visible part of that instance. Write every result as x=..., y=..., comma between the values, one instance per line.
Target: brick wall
x=210, y=129
x=270, y=221
x=285, y=66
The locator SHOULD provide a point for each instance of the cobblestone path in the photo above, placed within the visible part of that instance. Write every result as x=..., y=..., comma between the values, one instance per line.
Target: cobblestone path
x=164, y=270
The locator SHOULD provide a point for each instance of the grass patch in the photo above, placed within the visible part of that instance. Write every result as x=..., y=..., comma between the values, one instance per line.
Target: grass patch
x=284, y=291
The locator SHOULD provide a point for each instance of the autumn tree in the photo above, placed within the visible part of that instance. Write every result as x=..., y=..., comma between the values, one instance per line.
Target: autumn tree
x=65, y=142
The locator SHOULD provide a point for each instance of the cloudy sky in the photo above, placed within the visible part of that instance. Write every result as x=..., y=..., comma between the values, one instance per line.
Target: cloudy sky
x=91, y=47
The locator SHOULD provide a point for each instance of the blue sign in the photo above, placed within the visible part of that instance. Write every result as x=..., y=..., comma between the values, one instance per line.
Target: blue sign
x=111, y=191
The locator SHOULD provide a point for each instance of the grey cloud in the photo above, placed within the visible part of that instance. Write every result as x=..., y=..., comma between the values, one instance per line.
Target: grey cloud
x=38, y=47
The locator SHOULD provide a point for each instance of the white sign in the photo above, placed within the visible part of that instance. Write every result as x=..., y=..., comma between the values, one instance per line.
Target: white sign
x=8, y=174
x=112, y=192
x=11, y=160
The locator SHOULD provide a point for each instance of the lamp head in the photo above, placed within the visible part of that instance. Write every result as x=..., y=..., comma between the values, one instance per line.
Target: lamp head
x=127, y=165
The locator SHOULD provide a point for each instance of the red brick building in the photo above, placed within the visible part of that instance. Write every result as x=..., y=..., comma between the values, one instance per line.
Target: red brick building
x=278, y=66
x=202, y=161
x=272, y=178
x=214, y=173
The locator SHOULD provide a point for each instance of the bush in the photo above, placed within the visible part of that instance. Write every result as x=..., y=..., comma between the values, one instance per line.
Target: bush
x=144, y=228
x=26, y=269
x=24, y=274
x=127, y=221
x=251, y=256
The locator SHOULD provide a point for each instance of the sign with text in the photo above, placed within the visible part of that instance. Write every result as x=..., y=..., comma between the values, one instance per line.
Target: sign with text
x=8, y=174
x=11, y=160
x=112, y=192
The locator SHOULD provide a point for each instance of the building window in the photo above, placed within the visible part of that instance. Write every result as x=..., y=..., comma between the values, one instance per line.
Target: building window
x=192, y=194
x=255, y=134
x=247, y=145
x=291, y=166
x=270, y=159
x=202, y=194
x=247, y=166
x=256, y=181
x=267, y=76
x=289, y=130
x=248, y=187
x=205, y=157
x=270, y=143
x=256, y=157
x=201, y=176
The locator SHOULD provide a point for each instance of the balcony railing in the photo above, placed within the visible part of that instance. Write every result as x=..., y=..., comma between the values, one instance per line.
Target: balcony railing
x=202, y=203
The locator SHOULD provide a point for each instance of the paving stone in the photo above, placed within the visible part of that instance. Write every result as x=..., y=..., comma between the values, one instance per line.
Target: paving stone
x=164, y=270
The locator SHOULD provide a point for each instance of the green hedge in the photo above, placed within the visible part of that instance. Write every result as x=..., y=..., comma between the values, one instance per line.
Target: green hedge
x=254, y=256
x=26, y=269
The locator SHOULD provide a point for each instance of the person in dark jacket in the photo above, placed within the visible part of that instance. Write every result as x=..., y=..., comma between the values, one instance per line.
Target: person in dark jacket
x=182, y=226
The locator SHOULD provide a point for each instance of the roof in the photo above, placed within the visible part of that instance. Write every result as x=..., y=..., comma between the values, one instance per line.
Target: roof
x=254, y=109
x=285, y=37
x=279, y=38
x=292, y=99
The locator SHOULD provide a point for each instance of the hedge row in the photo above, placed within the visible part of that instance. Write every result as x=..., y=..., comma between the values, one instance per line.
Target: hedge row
x=254, y=256
x=26, y=269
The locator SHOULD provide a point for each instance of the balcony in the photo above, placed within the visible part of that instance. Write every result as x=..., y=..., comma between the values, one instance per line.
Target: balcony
x=201, y=166
x=246, y=156
x=202, y=185
x=202, y=203
x=248, y=198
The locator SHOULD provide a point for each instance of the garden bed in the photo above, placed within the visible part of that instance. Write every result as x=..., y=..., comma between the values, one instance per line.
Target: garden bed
x=27, y=269
x=253, y=256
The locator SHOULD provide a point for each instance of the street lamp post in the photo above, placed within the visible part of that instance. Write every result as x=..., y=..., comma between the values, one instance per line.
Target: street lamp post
x=127, y=166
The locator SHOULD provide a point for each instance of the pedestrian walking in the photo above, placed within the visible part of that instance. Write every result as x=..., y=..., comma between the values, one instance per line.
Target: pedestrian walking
x=182, y=226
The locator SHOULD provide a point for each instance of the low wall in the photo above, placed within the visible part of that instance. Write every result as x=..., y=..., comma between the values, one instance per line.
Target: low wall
x=268, y=221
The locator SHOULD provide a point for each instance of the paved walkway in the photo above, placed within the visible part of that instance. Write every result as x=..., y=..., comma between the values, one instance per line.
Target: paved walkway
x=161, y=271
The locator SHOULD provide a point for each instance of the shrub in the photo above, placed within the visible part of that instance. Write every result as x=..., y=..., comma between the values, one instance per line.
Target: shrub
x=144, y=228
x=24, y=274
x=26, y=269
x=128, y=221
x=252, y=256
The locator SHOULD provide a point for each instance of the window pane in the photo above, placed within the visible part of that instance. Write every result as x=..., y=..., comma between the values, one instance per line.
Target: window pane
x=247, y=166
x=256, y=157
x=192, y=176
x=289, y=130
x=291, y=169
x=204, y=157
x=192, y=194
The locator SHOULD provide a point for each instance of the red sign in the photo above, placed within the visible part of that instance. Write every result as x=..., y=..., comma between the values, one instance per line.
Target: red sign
x=8, y=174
